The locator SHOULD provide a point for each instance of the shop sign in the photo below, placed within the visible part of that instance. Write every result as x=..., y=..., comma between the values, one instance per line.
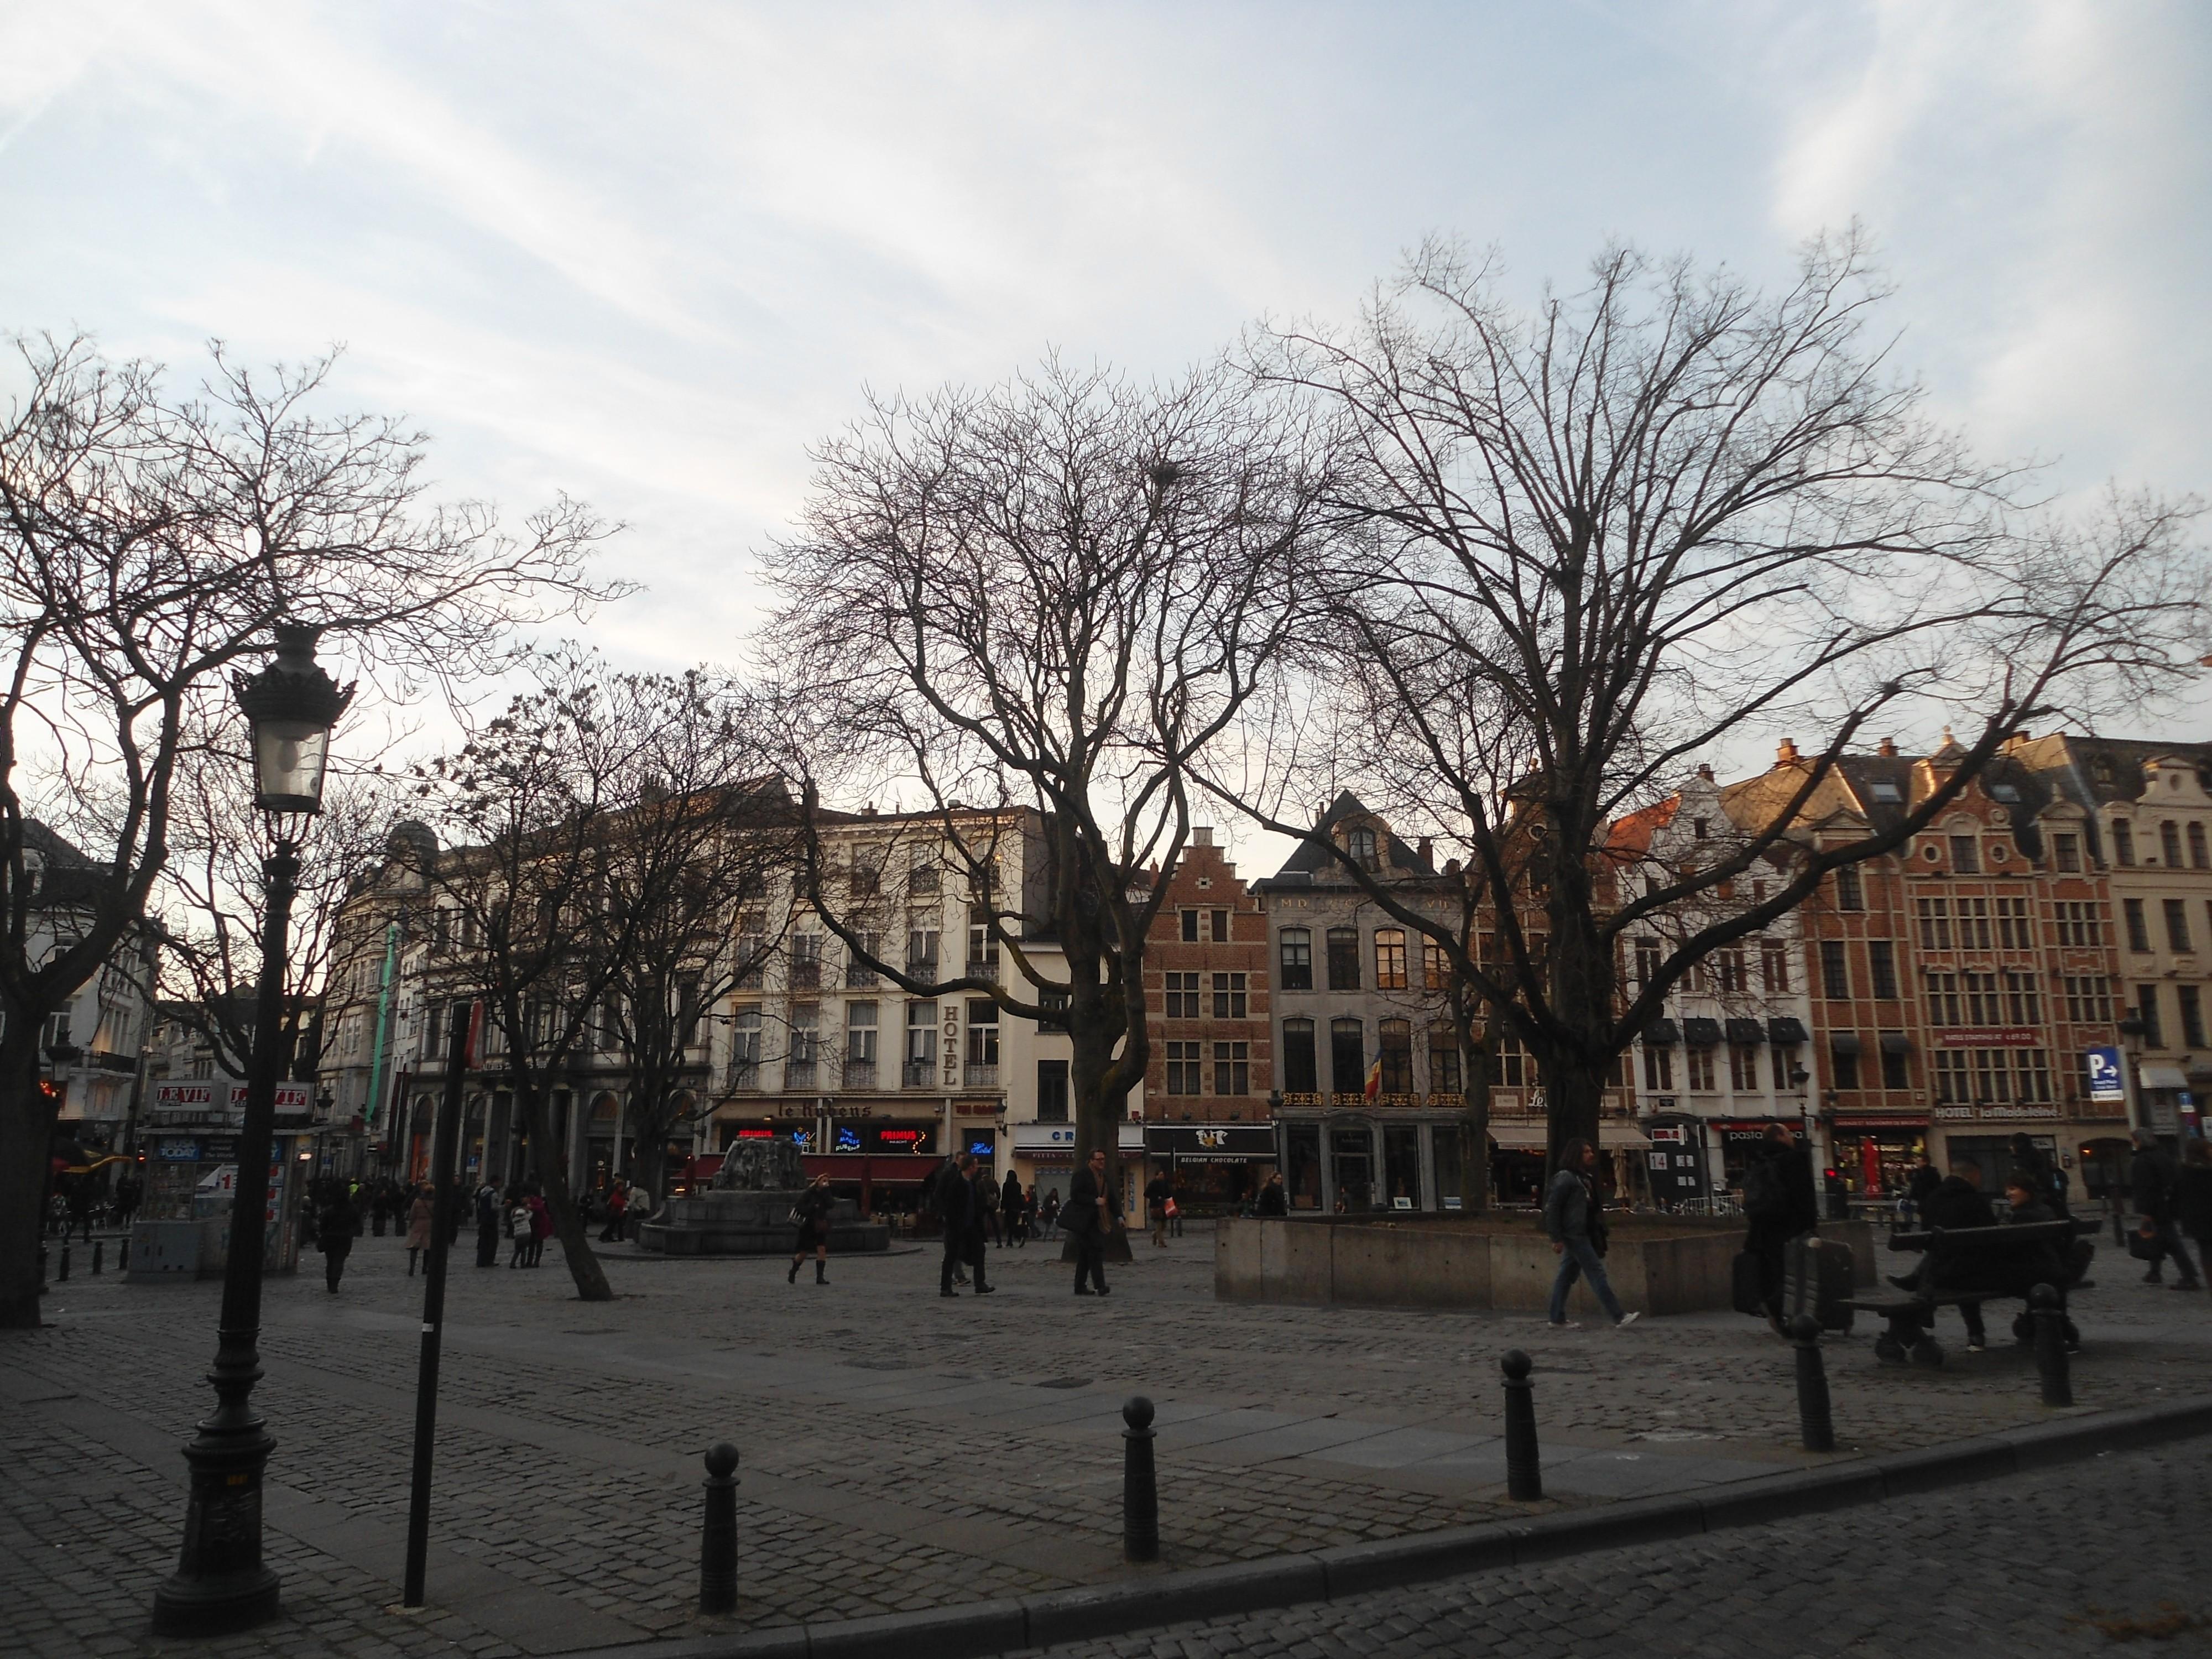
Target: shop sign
x=1993, y=1114
x=2018, y=1036
x=2106, y=1082
x=1668, y=1134
x=176, y=1149
x=183, y=1097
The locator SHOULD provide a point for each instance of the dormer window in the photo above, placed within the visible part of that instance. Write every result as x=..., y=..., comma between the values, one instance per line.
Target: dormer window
x=1697, y=828
x=1359, y=845
x=1885, y=791
x=2004, y=791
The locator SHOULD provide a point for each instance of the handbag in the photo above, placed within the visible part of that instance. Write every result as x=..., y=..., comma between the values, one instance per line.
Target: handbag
x=2143, y=1246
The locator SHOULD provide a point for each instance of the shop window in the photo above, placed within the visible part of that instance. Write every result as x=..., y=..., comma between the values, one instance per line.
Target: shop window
x=1297, y=946
x=1185, y=1073
x=1052, y=1091
x=1182, y=996
x=1395, y=1041
x=1302, y=1148
x=1232, y=1068
x=1445, y=1149
x=1344, y=959
x=1401, y=1165
x=1658, y=1068
x=1230, y=1000
x=1390, y=959
x=1300, y=1076
x=1347, y=1056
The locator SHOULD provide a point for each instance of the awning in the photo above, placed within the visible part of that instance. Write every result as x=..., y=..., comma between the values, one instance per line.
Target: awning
x=1622, y=1137
x=1662, y=1033
x=1896, y=1042
x=1612, y=1135
x=1702, y=1033
x=1785, y=1030
x=1845, y=1042
x=1518, y=1137
x=1744, y=1033
x=2162, y=1074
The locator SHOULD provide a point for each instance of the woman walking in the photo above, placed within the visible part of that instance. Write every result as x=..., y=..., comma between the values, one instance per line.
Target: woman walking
x=812, y=1213
x=617, y=1200
x=1010, y=1210
x=541, y=1225
x=419, y=1217
x=334, y=1233
x=517, y=1228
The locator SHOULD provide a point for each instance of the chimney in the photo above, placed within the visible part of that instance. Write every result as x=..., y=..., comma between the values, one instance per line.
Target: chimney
x=1426, y=844
x=1706, y=772
x=1202, y=835
x=1785, y=753
x=1887, y=749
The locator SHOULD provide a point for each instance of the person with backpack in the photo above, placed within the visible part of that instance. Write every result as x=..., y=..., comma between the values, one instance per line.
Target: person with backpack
x=1779, y=1203
x=1575, y=1220
x=2154, y=1186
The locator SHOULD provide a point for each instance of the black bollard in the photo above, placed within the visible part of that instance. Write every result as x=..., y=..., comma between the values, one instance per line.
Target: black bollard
x=1814, y=1424
x=1140, y=1492
x=1524, y=1472
x=99, y=1249
x=2051, y=1345
x=63, y=1273
x=718, y=1537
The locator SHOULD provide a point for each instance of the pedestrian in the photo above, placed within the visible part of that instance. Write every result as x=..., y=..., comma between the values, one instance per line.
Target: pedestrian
x=1010, y=1210
x=1158, y=1195
x=488, y=1218
x=1576, y=1222
x=1274, y=1200
x=987, y=1205
x=334, y=1233
x=617, y=1202
x=541, y=1225
x=1049, y=1212
x=1958, y=1201
x=128, y=1192
x=420, y=1217
x=380, y=1207
x=1779, y=1203
x=1090, y=1217
x=2193, y=1195
x=2045, y=1179
x=812, y=1213
x=637, y=1209
x=518, y=1228
x=956, y=1208
x=2154, y=1186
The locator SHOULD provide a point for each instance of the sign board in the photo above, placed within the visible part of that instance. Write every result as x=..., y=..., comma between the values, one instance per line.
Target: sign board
x=1677, y=1171
x=2105, y=1081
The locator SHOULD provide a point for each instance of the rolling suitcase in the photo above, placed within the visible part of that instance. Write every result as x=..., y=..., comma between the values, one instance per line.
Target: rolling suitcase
x=1816, y=1279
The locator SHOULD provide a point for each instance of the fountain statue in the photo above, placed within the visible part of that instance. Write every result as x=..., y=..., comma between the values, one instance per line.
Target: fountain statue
x=746, y=1209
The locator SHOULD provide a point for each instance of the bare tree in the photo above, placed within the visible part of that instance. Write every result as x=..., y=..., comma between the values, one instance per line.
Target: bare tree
x=598, y=819
x=1043, y=599
x=1598, y=541
x=148, y=543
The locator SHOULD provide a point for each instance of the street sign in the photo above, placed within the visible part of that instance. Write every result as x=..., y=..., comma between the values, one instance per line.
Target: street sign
x=2105, y=1081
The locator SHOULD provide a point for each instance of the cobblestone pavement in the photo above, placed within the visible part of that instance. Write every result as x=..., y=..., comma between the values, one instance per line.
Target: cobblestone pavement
x=2075, y=1561
x=900, y=1451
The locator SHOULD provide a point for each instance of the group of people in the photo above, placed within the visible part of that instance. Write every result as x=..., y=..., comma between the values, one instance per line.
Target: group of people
x=337, y=1210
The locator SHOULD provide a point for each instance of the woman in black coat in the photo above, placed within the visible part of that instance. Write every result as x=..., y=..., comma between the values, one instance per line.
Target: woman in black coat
x=335, y=1226
x=813, y=1211
x=2193, y=1193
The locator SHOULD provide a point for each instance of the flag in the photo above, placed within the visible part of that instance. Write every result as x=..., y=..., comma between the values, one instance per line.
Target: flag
x=1374, y=1079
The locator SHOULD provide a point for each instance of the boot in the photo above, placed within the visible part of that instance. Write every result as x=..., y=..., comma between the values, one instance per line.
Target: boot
x=822, y=1273
x=792, y=1278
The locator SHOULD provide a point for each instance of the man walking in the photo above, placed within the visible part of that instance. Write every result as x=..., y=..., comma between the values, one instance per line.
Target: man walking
x=2155, y=1183
x=956, y=1206
x=986, y=1212
x=1779, y=1203
x=1157, y=1191
x=1577, y=1225
x=1089, y=1217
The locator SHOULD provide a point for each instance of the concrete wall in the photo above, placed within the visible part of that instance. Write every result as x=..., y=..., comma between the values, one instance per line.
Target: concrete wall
x=1663, y=1269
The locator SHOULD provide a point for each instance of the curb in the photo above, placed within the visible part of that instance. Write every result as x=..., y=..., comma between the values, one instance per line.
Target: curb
x=982, y=1628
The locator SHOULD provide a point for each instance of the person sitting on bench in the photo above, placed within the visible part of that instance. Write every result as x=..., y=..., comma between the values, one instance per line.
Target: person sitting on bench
x=1958, y=1201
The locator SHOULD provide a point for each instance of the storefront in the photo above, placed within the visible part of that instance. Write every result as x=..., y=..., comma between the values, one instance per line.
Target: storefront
x=1874, y=1157
x=1983, y=1135
x=1217, y=1168
x=1043, y=1157
x=1358, y=1162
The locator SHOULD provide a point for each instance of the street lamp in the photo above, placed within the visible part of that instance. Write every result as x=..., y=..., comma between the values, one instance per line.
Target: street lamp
x=221, y=1583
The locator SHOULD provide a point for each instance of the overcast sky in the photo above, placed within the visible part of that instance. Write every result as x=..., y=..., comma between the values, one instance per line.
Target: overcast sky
x=646, y=253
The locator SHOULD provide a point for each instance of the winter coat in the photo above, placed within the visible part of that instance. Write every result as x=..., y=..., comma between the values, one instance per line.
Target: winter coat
x=1955, y=1204
x=334, y=1227
x=541, y=1218
x=956, y=1204
x=814, y=1207
x=1009, y=1199
x=418, y=1223
x=1273, y=1200
x=2193, y=1200
x=2152, y=1178
x=1568, y=1206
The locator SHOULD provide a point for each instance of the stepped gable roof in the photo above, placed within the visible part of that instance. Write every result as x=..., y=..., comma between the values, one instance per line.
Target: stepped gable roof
x=1632, y=834
x=1307, y=861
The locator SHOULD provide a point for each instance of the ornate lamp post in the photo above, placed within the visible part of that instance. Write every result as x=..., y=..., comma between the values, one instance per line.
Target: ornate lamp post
x=221, y=1583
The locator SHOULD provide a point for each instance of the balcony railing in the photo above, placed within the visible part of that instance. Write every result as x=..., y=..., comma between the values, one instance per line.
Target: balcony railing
x=918, y=1073
x=860, y=1074
x=859, y=973
x=983, y=968
x=979, y=1077
x=798, y=1074
x=744, y=1075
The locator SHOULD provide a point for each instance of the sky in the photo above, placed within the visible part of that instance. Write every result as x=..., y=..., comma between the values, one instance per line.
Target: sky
x=646, y=253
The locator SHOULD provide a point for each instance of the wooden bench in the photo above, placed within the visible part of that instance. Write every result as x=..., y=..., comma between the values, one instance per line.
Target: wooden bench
x=1908, y=1317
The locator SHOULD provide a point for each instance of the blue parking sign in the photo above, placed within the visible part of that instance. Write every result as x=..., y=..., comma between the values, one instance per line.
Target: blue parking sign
x=2106, y=1082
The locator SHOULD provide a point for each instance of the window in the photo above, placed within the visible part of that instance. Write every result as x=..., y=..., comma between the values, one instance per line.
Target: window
x=1217, y=927
x=2124, y=841
x=1190, y=928
x=1982, y=1006
x=1934, y=915
x=1511, y=1067
x=1052, y=1009
x=1182, y=996
x=2067, y=850
x=2081, y=922
x=924, y=879
x=1732, y=969
x=1052, y=1091
x=2192, y=1015
x=1443, y=1060
x=2014, y=930
x=1360, y=844
x=805, y=961
x=2200, y=858
x=921, y=953
x=1347, y=1056
x=2023, y=997
x=1699, y=828
x=1230, y=1002
x=1647, y=961
x=1943, y=1000
x=1698, y=1064
x=1951, y=1078
x=434, y=1031
x=745, y=1044
x=1844, y=1067
x=1849, y=895
x=2089, y=1000
x=983, y=1032
x=867, y=877
x=1973, y=924
x=2031, y=1074
x=1300, y=1076
x=860, y=1043
x=1883, y=790
x=1882, y=969
x=982, y=954
x=1184, y=1069
x=1774, y=966
x=2169, y=844
x=1966, y=855
x=2138, y=928
x=806, y=1045
x=1297, y=959
x=1395, y=1040
x=2147, y=1011
x=1658, y=1068
x=1992, y=1077
x=1835, y=979
x=1785, y=1061
x=1390, y=959
x=1894, y=1074
x=752, y=949
x=1743, y=1068
x=2177, y=925
x=1344, y=959
x=857, y=971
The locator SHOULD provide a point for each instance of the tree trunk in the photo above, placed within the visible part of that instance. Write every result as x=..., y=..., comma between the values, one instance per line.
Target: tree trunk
x=1574, y=1089
x=1474, y=1123
x=27, y=1127
x=545, y=1164
x=1098, y=1117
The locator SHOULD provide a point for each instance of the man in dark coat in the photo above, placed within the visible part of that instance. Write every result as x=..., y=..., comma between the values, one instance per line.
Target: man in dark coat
x=1011, y=1207
x=334, y=1233
x=1780, y=1204
x=2154, y=1188
x=956, y=1206
x=979, y=1228
x=1958, y=1201
x=487, y=1226
x=1089, y=1218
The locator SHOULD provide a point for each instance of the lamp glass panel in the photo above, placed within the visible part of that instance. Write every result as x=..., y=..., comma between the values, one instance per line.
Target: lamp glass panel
x=288, y=757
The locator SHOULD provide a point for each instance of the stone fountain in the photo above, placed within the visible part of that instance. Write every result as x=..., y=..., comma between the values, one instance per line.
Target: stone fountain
x=747, y=1210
